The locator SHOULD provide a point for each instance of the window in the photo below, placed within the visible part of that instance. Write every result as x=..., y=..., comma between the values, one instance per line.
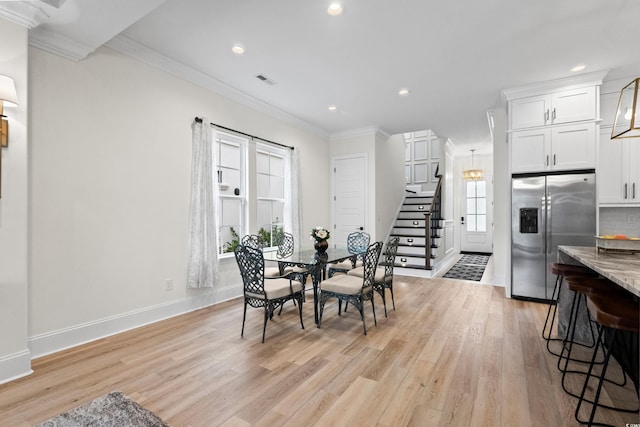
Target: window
x=230, y=169
x=270, y=169
x=243, y=209
x=476, y=206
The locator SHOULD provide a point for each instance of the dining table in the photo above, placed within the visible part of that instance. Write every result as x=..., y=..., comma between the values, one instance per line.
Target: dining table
x=312, y=261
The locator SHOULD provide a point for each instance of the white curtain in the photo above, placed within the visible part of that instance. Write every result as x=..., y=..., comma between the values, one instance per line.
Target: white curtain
x=293, y=188
x=203, y=254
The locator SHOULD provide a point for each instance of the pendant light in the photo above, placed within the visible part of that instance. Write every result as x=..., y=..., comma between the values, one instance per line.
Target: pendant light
x=627, y=121
x=473, y=174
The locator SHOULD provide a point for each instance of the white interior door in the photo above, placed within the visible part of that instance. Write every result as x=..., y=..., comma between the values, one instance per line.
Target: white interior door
x=350, y=197
x=477, y=217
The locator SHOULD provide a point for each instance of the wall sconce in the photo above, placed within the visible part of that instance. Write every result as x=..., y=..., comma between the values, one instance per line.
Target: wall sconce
x=8, y=98
x=627, y=121
x=472, y=174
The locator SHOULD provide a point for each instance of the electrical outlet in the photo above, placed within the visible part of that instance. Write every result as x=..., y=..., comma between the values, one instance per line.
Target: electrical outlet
x=168, y=284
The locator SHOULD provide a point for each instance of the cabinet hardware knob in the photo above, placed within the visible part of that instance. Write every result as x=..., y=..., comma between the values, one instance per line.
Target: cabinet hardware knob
x=625, y=191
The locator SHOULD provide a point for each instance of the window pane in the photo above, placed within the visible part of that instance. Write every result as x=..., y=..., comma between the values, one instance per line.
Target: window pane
x=262, y=162
x=482, y=188
x=482, y=223
x=263, y=185
x=471, y=206
x=264, y=213
x=482, y=206
x=277, y=187
x=276, y=166
x=229, y=238
x=229, y=155
x=277, y=210
x=231, y=212
x=471, y=189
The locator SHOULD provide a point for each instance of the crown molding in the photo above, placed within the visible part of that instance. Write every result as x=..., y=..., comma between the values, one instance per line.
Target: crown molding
x=58, y=44
x=370, y=131
x=587, y=79
x=29, y=14
x=148, y=56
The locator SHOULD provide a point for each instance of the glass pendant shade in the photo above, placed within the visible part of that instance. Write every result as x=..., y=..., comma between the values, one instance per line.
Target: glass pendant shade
x=472, y=174
x=627, y=121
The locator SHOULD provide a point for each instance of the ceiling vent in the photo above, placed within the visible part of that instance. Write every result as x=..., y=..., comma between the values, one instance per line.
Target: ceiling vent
x=265, y=79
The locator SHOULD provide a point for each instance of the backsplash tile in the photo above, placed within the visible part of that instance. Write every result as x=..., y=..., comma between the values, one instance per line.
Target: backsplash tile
x=620, y=221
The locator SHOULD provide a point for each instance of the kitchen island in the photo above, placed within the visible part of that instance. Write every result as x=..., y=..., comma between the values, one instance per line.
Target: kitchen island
x=623, y=270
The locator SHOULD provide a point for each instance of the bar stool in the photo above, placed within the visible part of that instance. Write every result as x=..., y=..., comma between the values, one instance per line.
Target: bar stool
x=617, y=315
x=560, y=271
x=583, y=288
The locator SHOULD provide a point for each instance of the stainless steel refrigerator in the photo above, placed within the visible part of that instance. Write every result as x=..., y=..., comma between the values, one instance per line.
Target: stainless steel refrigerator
x=547, y=211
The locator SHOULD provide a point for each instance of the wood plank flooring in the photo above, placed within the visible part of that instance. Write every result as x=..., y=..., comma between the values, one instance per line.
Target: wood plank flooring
x=453, y=353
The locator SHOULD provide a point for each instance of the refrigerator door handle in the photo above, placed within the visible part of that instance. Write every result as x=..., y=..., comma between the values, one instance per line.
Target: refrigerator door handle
x=547, y=245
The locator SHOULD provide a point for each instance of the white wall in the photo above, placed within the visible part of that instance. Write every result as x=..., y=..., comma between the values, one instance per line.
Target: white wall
x=111, y=159
x=501, y=202
x=390, y=183
x=14, y=215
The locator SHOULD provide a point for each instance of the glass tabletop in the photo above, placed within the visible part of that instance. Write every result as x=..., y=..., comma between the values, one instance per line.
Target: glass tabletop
x=310, y=256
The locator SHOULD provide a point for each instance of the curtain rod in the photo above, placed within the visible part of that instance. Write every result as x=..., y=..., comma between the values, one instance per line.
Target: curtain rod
x=199, y=120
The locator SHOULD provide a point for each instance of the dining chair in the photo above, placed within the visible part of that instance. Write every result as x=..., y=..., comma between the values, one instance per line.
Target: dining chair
x=353, y=289
x=261, y=291
x=256, y=242
x=383, y=277
x=357, y=243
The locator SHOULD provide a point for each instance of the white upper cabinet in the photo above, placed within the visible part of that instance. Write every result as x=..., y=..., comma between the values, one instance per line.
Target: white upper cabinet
x=558, y=148
x=559, y=107
x=619, y=181
x=554, y=126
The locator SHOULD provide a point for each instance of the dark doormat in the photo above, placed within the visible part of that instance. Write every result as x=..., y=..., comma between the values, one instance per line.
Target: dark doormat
x=469, y=267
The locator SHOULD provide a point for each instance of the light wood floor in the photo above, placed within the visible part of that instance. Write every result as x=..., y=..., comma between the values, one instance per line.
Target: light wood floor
x=454, y=353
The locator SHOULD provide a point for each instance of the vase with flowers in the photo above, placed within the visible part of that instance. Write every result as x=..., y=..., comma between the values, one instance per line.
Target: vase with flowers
x=320, y=235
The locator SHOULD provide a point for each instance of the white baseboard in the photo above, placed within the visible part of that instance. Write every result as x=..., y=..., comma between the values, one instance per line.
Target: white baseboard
x=15, y=366
x=54, y=341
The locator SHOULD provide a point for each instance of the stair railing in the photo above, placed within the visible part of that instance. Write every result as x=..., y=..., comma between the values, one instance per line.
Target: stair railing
x=434, y=214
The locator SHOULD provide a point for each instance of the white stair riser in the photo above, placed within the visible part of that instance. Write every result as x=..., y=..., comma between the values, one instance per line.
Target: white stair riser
x=414, y=200
x=419, y=232
x=411, y=240
x=410, y=223
x=412, y=250
x=409, y=260
x=411, y=215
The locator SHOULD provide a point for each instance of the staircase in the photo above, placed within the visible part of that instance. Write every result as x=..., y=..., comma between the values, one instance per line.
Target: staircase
x=419, y=228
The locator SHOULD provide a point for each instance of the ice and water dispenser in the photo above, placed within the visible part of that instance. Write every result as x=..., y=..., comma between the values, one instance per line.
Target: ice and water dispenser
x=529, y=220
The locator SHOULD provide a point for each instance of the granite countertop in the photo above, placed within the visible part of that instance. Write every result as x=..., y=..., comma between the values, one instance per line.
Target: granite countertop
x=622, y=269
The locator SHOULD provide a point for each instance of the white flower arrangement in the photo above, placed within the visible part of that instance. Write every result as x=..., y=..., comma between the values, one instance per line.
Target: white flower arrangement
x=320, y=234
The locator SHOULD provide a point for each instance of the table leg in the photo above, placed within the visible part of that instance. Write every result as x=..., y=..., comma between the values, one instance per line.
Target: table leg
x=315, y=279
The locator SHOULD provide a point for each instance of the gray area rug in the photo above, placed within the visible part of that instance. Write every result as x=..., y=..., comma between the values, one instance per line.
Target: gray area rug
x=111, y=410
x=469, y=267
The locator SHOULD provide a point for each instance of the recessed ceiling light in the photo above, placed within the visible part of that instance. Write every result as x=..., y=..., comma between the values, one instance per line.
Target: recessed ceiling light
x=403, y=92
x=237, y=49
x=335, y=9
x=578, y=67
x=332, y=108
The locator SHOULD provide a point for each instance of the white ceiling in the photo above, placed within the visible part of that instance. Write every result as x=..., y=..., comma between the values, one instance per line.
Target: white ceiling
x=454, y=56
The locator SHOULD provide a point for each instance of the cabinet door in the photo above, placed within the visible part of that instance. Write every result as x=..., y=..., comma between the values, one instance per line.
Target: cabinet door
x=634, y=170
x=611, y=173
x=529, y=112
x=529, y=150
x=573, y=105
x=573, y=147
